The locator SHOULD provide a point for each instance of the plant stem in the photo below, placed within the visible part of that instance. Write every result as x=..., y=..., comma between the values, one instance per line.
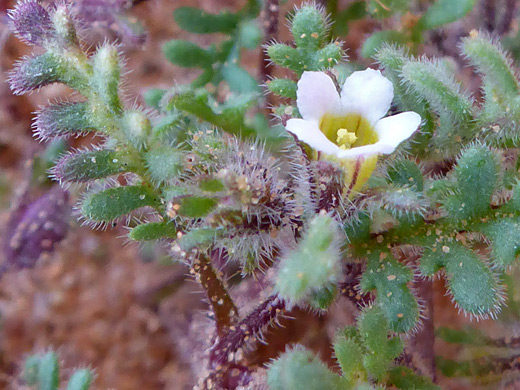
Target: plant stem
x=423, y=341
x=223, y=306
x=247, y=329
x=269, y=18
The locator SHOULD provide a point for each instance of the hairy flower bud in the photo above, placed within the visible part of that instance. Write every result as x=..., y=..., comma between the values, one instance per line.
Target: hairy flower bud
x=36, y=227
x=32, y=23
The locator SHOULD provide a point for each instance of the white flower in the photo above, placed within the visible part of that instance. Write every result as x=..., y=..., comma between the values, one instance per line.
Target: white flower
x=350, y=125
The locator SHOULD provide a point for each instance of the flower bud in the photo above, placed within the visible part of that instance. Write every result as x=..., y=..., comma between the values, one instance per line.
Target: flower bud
x=32, y=23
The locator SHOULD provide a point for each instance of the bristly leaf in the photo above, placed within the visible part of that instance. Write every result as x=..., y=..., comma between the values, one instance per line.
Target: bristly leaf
x=35, y=72
x=80, y=380
x=313, y=265
x=477, y=175
x=48, y=372
x=389, y=277
x=472, y=284
x=84, y=166
x=108, y=205
x=153, y=231
x=494, y=66
x=300, y=369
x=64, y=120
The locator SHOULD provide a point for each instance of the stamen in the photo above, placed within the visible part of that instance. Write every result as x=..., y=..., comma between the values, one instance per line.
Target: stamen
x=345, y=138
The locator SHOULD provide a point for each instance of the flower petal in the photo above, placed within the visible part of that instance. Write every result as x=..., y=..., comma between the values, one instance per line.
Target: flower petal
x=366, y=150
x=394, y=129
x=316, y=96
x=368, y=93
x=310, y=133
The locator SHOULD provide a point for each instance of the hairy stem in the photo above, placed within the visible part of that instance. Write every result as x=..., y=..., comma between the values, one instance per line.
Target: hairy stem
x=223, y=306
x=246, y=330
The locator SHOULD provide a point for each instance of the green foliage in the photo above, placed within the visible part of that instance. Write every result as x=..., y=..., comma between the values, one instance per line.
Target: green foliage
x=41, y=372
x=153, y=231
x=48, y=372
x=298, y=276
x=298, y=369
x=445, y=11
x=196, y=206
x=164, y=163
x=84, y=166
x=110, y=204
x=478, y=294
x=197, y=21
x=365, y=353
x=378, y=39
x=390, y=278
x=187, y=54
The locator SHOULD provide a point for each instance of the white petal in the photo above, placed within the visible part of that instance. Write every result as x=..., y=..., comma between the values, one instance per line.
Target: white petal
x=310, y=133
x=316, y=96
x=393, y=130
x=366, y=150
x=368, y=93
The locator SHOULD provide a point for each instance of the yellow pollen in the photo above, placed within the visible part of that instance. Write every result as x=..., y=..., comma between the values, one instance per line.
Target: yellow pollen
x=345, y=138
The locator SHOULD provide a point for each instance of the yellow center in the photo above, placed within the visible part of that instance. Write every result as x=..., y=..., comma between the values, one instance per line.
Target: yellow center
x=347, y=132
x=345, y=139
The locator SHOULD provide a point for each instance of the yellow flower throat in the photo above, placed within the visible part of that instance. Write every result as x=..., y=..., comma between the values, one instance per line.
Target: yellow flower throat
x=348, y=132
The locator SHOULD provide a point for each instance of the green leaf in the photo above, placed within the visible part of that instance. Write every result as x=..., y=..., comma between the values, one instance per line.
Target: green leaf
x=309, y=27
x=107, y=205
x=209, y=184
x=283, y=87
x=107, y=75
x=445, y=11
x=472, y=284
x=389, y=277
x=230, y=118
x=406, y=379
x=63, y=120
x=250, y=34
x=187, y=54
x=300, y=369
x=198, y=21
x=238, y=79
x=31, y=369
x=153, y=97
x=196, y=206
x=314, y=264
x=197, y=238
x=48, y=372
x=80, y=380
x=153, y=231
x=378, y=39
x=349, y=354
x=406, y=173
x=495, y=67
x=477, y=173
x=85, y=166
x=385, y=8
x=355, y=11
x=467, y=336
x=504, y=235
x=433, y=82
x=164, y=163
